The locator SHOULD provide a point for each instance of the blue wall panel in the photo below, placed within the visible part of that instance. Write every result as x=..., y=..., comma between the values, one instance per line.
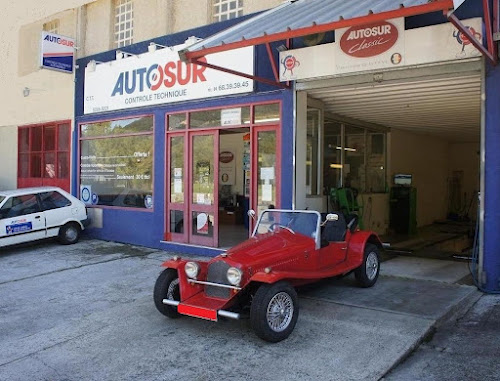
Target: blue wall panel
x=492, y=181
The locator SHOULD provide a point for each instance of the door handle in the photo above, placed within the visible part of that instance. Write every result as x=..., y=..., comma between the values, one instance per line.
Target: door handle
x=37, y=217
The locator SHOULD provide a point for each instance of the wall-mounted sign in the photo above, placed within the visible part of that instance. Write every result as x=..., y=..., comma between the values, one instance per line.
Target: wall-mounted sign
x=227, y=168
x=369, y=40
x=159, y=77
x=380, y=46
x=57, y=52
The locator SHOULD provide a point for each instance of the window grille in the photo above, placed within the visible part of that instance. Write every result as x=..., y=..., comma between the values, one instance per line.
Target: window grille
x=227, y=9
x=124, y=23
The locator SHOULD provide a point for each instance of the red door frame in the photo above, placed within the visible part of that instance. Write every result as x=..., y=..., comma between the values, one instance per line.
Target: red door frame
x=254, y=157
x=186, y=207
x=209, y=209
x=169, y=236
x=64, y=183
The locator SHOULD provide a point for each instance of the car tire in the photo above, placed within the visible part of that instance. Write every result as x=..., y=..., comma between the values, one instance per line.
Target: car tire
x=167, y=287
x=69, y=233
x=367, y=273
x=278, y=299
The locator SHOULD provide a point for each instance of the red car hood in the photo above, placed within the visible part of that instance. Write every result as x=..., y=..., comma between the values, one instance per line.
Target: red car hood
x=267, y=249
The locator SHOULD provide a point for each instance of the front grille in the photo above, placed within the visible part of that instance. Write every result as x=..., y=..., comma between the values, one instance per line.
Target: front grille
x=217, y=273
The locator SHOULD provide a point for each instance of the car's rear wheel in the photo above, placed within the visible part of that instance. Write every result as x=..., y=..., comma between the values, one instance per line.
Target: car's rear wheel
x=69, y=233
x=274, y=311
x=367, y=273
x=167, y=287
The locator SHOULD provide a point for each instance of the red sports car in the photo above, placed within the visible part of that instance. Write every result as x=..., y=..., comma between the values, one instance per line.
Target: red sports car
x=258, y=277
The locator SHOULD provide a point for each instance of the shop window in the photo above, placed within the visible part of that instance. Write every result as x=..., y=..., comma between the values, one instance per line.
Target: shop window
x=332, y=163
x=227, y=9
x=220, y=117
x=355, y=157
x=312, y=152
x=354, y=163
x=267, y=113
x=177, y=122
x=124, y=23
x=116, y=162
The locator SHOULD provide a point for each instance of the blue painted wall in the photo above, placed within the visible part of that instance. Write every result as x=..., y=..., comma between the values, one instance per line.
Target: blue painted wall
x=492, y=181
x=146, y=227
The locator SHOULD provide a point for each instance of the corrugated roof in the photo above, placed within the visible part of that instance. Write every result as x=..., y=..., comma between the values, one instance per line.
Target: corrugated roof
x=301, y=17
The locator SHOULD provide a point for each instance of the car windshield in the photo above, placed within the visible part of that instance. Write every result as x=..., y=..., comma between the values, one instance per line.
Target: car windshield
x=301, y=222
x=2, y=198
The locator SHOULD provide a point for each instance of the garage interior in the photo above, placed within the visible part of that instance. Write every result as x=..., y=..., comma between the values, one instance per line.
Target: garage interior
x=431, y=117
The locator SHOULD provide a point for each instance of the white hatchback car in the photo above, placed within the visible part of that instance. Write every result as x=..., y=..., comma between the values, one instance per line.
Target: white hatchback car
x=30, y=214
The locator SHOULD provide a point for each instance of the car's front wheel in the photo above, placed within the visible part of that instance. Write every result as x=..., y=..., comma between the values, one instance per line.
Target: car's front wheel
x=167, y=287
x=367, y=273
x=274, y=311
x=69, y=233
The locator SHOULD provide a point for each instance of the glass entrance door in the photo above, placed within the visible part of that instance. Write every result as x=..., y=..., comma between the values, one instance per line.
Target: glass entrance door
x=266, y=169
x=203, y=194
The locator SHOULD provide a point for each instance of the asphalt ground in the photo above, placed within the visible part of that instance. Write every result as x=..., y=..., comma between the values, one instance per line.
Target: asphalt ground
x=85, y=312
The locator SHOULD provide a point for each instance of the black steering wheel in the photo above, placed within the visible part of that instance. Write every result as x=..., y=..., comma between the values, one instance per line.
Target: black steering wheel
x=273, y=227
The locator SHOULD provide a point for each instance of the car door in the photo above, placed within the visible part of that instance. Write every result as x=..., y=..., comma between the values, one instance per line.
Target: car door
x=21, y=220
x=57, y=210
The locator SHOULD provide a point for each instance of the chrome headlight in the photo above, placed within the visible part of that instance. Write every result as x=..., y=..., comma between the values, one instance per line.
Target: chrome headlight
x=192, y=269
x=234, y=276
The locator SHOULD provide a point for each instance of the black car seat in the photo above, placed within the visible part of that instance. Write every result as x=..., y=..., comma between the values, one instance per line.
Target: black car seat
x=334, y=231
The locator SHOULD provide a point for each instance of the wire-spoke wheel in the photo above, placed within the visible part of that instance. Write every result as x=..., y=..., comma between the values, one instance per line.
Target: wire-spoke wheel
x=274, y=311
x=280, y=312
x=367, y=273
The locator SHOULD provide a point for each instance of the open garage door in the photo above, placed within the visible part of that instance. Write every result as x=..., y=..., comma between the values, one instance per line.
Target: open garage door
x=421, y=123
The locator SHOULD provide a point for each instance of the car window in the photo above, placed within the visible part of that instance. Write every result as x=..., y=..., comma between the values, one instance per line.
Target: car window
x=19, y=205
x=2, y=198
x=53, y=200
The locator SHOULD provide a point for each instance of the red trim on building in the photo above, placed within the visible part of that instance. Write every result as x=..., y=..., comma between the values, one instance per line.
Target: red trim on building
x=435, y=6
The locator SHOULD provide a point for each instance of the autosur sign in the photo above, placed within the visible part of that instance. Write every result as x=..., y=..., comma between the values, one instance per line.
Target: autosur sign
x=160, y=77
x=369, y=40
x=370, y=46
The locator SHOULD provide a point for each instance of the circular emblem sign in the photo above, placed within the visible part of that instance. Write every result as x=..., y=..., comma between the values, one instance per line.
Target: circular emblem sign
x=226, y=157
x=369, y=40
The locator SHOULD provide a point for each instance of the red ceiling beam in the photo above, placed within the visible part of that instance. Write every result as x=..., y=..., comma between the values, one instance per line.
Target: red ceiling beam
x=435, y=6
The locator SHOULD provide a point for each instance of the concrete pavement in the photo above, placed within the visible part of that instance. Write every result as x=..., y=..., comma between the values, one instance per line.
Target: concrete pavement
x=86, y=312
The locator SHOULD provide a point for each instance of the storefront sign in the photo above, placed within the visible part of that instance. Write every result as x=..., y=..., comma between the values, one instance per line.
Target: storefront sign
x=380, y=46
x=369, y=40
x=57, y=52
x=159, y=77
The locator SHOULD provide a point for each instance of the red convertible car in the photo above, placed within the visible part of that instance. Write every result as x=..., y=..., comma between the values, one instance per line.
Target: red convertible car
x=288, y=248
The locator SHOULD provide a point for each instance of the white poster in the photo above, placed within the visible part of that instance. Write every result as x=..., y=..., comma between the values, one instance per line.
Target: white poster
x=230, y=116
x=159, y=77
x=380, y=50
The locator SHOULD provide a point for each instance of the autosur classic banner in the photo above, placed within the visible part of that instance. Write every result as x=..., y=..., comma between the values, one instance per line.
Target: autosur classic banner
x=159, y=77
x=379, y=46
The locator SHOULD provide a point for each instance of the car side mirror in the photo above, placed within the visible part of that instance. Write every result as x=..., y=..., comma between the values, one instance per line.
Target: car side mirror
x=251, y=214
